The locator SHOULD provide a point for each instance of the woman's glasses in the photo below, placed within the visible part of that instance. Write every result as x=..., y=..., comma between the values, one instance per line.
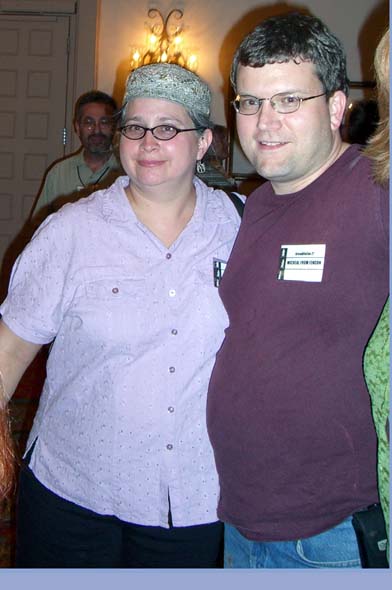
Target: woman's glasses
x=161, y=132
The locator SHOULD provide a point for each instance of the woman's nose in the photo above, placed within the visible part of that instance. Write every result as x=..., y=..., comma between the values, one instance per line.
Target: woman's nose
x=149, y=141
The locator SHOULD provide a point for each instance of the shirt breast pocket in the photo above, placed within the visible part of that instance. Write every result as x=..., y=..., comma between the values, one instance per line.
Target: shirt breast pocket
x=112, y=309
x=116, y=291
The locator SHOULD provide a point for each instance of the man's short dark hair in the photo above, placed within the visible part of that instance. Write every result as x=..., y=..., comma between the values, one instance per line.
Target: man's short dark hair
x=295, y=37
x=93, y=96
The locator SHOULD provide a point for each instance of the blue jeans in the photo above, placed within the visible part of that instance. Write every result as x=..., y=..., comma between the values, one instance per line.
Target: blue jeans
x=335, y=548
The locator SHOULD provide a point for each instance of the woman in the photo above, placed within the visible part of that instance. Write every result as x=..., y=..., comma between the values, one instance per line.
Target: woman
x=376, y=359
x=119, y=470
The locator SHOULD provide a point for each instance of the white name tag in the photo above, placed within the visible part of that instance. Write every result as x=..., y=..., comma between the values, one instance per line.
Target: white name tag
x=219, y=267
x=302, y=262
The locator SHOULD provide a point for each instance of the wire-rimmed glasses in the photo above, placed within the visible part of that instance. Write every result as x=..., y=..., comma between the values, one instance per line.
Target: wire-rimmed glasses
x=283, y=102
x=104, y=123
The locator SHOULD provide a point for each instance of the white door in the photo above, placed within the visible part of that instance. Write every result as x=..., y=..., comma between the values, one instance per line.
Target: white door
x=33, y=92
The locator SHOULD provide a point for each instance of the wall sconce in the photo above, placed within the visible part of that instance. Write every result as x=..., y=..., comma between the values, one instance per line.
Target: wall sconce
x=165, y=42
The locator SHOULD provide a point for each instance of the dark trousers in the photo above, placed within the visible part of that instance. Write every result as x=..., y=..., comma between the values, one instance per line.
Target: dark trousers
x=55, y=533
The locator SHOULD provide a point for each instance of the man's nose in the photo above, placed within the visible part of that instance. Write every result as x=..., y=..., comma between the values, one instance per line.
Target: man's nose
x=268, y=116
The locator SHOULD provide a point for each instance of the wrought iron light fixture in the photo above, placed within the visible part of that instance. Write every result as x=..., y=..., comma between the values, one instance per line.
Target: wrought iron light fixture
x=165, y=42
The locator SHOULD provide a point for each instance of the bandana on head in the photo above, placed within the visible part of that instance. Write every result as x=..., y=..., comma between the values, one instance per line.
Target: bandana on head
x=170, y=82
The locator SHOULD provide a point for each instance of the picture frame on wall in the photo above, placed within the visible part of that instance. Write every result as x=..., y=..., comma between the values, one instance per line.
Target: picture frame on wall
x=361, y=90
x=367, y=116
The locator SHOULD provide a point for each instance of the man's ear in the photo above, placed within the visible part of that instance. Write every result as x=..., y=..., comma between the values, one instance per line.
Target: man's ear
x=205, y=141
x=337, y=107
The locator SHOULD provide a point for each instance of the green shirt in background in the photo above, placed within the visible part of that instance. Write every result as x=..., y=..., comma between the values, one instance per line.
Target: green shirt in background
x=70, y=179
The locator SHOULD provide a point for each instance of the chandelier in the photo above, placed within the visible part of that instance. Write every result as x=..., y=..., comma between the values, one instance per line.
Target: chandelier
x=165, y=42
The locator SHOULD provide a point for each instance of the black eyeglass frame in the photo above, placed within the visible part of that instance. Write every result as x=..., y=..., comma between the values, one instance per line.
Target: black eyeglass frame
x=152, y=129
x=270, y=99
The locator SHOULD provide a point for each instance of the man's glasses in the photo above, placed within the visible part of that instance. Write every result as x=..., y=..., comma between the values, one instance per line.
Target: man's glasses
x=162, y=132
x=283, y=103
x=104, y=123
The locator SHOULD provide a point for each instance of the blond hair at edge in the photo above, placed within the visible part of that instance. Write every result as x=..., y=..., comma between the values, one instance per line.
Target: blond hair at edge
x=7, y=457
x=7, y=454
x=378, y=146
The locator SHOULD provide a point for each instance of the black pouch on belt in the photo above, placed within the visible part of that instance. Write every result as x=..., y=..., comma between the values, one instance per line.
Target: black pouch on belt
x=369, y=526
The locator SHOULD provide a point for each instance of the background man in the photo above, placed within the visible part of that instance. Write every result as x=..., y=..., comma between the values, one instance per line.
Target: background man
x=288, y=410
x=93, y=167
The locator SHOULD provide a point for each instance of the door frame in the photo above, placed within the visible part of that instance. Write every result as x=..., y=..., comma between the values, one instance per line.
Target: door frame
x=83, y=60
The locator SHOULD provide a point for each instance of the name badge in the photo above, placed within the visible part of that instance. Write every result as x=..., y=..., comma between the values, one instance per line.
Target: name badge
x=303, y=262
x=219, y=267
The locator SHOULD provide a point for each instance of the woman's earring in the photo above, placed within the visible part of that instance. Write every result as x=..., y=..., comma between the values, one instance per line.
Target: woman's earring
x=200, y=167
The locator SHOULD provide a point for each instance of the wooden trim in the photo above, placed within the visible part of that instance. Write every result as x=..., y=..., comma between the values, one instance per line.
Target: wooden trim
x=85, y=46
x=364, y=84
x=82, y=60
x=38, y=6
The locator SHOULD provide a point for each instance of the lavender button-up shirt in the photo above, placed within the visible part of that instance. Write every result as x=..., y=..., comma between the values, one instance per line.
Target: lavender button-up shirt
x=135, y=327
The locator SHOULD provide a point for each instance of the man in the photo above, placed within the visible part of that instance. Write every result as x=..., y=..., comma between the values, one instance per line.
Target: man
x=288, y=411
x=93, y=167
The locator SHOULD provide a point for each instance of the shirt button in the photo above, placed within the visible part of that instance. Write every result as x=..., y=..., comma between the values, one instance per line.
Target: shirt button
x=172, y=369
x=170, y=409
x=169, y=447
x=174, y=332
x=115, y=290
x=172, y=293
x=168, y=255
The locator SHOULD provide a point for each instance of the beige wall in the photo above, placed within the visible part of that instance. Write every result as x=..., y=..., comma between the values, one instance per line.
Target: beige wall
x=216, y=26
